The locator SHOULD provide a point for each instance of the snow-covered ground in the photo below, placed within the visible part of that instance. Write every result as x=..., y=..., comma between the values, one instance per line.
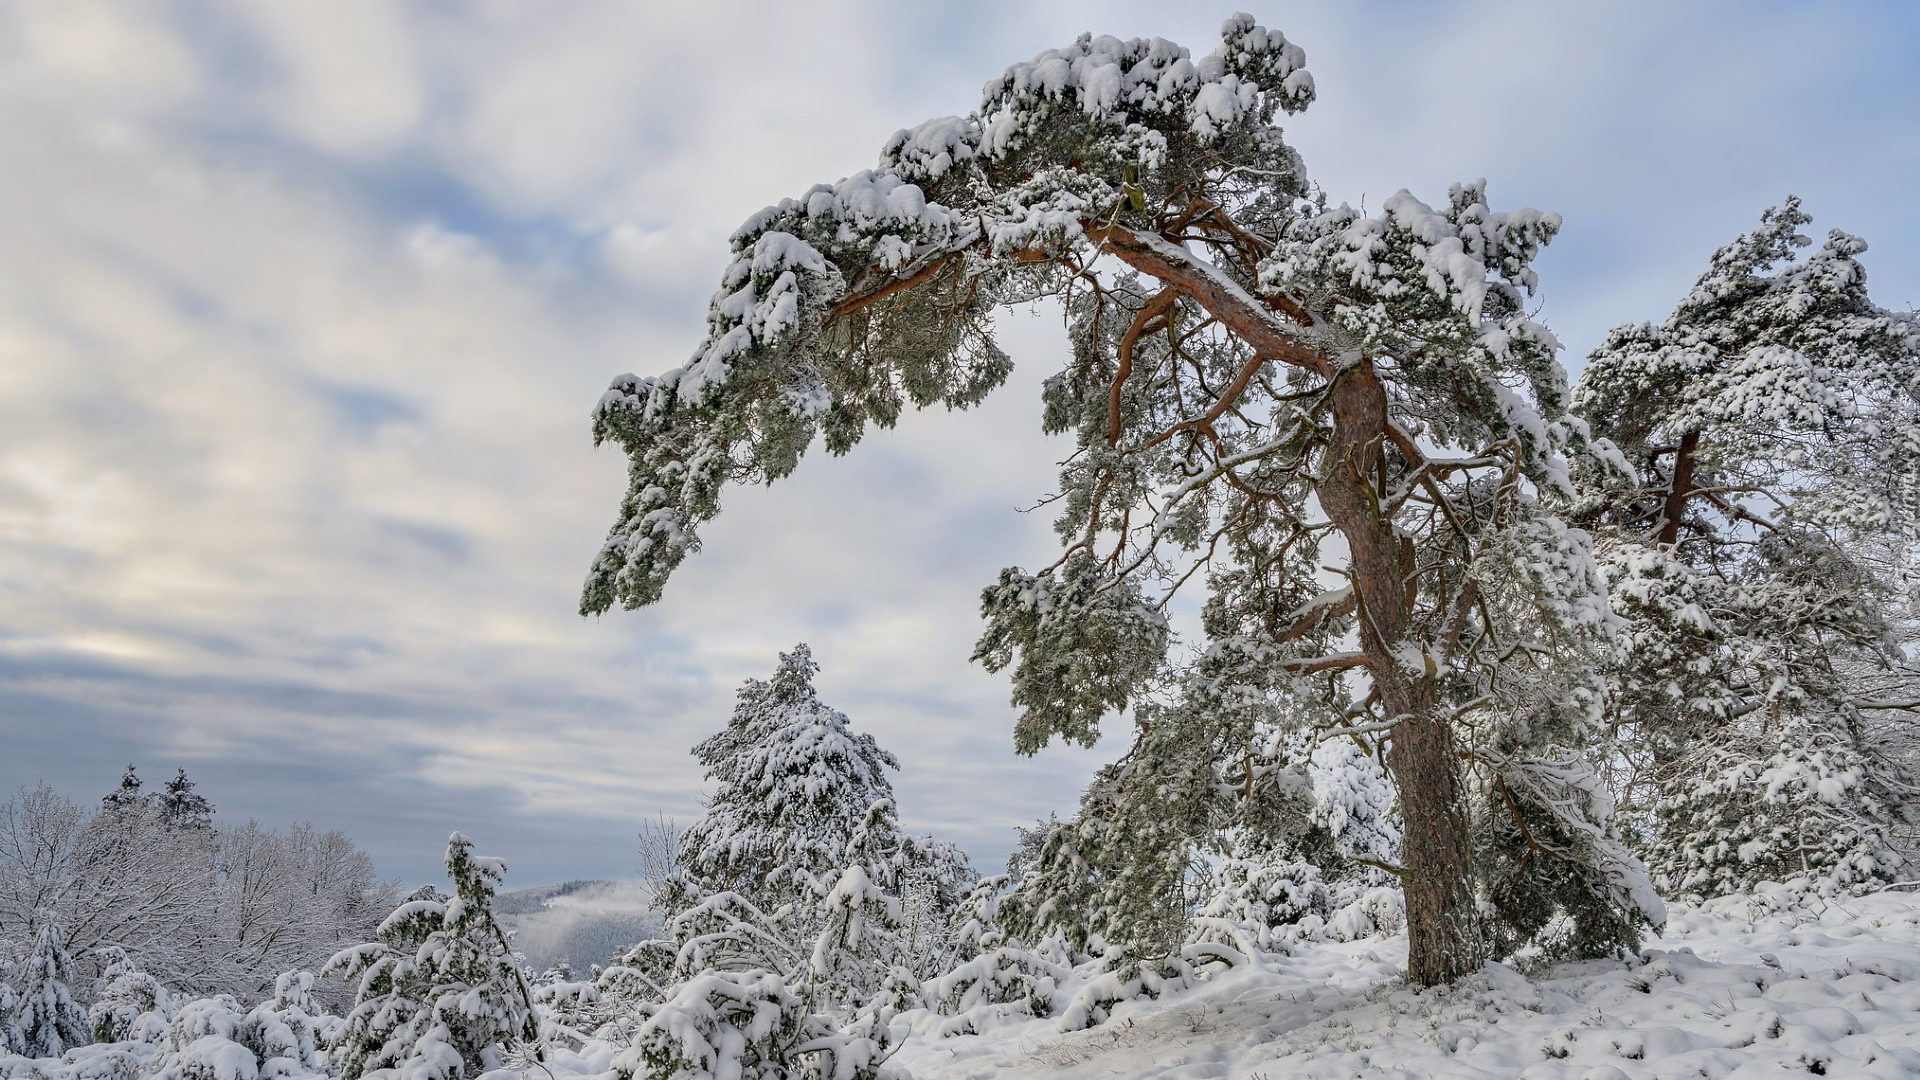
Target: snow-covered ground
x=1733, y=990
x=1768, y=986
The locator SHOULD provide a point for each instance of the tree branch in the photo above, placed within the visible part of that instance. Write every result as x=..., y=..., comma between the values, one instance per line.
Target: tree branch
x=1161, y=304
x=1218, y=294
x=854, y=303
x=1332, y=662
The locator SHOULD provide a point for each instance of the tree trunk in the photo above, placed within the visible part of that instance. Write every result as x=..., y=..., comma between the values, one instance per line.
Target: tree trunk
x=1674, y=505
x=1443, y=937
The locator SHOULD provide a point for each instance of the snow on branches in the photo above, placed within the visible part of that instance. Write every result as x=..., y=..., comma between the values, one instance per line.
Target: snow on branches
x=847, y=302
x=1760, y=555
x=1252, y=374
x=440, y=994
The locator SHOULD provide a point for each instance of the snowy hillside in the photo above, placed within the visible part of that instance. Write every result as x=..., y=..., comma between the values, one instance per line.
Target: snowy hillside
x=1735, y=989
x=580, y=923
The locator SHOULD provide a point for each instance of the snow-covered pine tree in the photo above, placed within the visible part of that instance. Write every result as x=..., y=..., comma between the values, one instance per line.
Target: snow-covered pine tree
x=441, y=991
x=11, y=1040
x=1761, y=555
x=1253, y=372
x=183, y=807
x=801, y=800
x=791, y=945
x=127, y=796
x=50, y=1022
x=794, y=783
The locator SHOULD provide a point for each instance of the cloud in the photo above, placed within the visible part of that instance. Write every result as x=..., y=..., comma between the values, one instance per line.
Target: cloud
x=349, y=79
x=302, y=313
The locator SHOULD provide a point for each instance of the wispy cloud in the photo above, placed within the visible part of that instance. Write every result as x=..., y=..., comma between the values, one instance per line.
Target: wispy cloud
x=302, y=309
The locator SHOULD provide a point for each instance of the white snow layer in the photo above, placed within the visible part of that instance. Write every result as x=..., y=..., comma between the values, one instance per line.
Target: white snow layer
x=1783, y=983
x=1776, y=985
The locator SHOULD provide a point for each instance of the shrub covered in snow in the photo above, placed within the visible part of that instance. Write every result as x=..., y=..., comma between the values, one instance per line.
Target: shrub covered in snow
x=132, y=1007
x=1803, y=810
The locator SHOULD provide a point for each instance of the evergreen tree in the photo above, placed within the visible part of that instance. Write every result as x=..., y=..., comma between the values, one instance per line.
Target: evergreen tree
x=441, y=990
x=1317, y=372
x=1757, y=554
x=794, y=783
x=802, y=800
x=49, y=1021
x=184, y=808
x=127, y=796
x=12, y=1041
x=801, y=917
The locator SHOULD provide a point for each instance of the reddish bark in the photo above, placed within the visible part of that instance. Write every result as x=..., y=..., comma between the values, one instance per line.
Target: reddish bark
x=1443, y=936
x=1674, y=507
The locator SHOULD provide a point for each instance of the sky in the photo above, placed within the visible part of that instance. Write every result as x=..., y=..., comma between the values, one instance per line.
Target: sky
x=304, y=307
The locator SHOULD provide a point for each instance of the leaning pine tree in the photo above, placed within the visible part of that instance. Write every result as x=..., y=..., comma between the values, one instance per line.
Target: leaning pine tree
x=1756, y=539
x=1258, y=382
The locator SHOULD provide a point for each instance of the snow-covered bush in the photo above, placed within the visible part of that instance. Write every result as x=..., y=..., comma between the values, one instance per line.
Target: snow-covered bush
x=287, y=1032
x=11, y=1040
x=203, y=1043
x=1120, y=975
x=722, y=1024
x=996, y=976
x=1261, y=905
x=1270, y=902
x=1353, y=801
x=1362, y=909
x=1004, y=981
x=1803, y=810
x=132, y=1007
x=571, y=1011
x=828, y=997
